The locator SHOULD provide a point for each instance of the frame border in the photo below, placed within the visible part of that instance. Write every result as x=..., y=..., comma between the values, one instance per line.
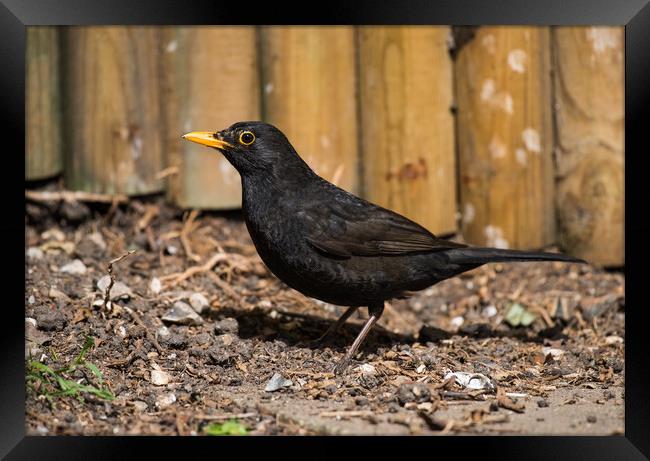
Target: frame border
x=15, y=15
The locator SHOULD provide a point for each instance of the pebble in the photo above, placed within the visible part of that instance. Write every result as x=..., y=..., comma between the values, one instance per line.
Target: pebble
x=174, y=341
x=227, y=325
x=140, y=405
x=199, y=303
x=118, y=291
x=276, y=382
x=50, y=319
x=457, y=321
x=367, y=369
x=75, y=267
x=155, y=286
x=159, y=377
x=555, y=353
x=162, y=332
x=165, y=400
x=489, y=311
x=471, y=380
x=417, y=392
x=182, y=314
x=31, y=299
x=98, y=240
x=609, y=340
x=591, y=419
x=542, y=403
x=34, y=253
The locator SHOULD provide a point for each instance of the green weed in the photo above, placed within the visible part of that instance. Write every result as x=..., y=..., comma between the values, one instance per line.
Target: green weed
x=52, y=383
x=231, y=427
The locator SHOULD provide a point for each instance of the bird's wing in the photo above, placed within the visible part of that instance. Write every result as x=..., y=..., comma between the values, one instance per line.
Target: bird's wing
x=364, y=229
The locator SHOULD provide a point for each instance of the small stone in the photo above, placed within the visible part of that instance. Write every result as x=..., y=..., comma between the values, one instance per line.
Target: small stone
x=421, y=368
x=219, y=356
x=163, y=332
x=542, y=403
x=75, y=267
x=227, y=325
x=41, y=430
x=118, y=291
x=182, y=314
x=171, y=249
x=159, y=377
x=489, y=311
x=367, y=369
x=53, y=234
x=31, y=299
x=457, y=321
x=34, y=253
x=199, y=303
x=174, y=341
x=140, y=405
x=97, y=239
x=276, y=382
x=591, y=419
x=49, y=319
x=555, y=353
x=155, y=286
x=165, y=400
x=417, y=392
x=226, y=339
x=610, y=340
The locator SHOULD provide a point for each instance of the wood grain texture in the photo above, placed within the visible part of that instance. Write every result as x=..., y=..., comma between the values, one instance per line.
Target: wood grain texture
x=407, y=127
x=43, y=153
x=309, y=93
x=505, y=139
x=114, y=118
x=211, y=81
x=589, y=101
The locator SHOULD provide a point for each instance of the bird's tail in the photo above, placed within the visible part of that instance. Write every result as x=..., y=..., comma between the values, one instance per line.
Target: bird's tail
x=475, y=255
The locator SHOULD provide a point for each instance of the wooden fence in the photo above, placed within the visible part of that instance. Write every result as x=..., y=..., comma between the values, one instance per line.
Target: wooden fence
x=512, y=136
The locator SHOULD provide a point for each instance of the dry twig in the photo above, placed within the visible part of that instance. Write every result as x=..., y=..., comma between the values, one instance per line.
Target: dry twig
x=73, y=196
x=185, y=231
x=107, y=292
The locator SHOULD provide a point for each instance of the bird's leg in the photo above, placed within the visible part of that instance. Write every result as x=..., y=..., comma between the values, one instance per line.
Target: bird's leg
x=375, y=312
x=335, y=326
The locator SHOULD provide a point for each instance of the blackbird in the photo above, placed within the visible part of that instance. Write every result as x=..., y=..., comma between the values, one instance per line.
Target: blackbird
x=330, y=244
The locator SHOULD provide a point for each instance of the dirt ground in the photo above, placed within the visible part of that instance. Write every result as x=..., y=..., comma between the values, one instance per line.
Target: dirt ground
x=542, y=344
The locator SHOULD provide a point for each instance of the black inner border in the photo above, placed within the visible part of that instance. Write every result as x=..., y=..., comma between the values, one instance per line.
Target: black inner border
x=633, y=14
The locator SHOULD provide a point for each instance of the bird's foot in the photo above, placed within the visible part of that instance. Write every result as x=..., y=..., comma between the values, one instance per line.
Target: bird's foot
x=342, y=366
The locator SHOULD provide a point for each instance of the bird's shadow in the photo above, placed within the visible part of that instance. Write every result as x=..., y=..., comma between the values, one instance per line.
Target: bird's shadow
x=301, y=330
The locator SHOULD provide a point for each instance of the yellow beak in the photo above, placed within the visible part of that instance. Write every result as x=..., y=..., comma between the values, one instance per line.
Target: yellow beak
x=207, y=139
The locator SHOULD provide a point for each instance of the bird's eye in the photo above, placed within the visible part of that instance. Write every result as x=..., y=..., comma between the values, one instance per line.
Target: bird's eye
x=246, y=138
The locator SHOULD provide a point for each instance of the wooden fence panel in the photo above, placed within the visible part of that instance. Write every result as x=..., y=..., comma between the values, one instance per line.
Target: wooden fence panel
x=589, y=104
x=211, y=81
x=113, y=116
x=309, y=93
x=43, y=154
x=505, y=137
x=407, y=127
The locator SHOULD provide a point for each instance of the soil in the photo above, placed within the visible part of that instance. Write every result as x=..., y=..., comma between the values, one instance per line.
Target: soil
x=558, y=369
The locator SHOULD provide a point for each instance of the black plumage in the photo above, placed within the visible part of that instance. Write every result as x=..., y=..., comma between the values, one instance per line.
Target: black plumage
x=330, y=244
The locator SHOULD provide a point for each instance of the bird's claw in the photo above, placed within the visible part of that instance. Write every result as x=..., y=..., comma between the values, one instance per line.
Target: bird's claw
x=341, y=366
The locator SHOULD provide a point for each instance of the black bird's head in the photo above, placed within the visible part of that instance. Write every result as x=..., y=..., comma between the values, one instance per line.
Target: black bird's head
x=253, y=148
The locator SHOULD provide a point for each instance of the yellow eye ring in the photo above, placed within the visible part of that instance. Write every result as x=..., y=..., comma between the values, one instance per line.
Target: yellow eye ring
x=246, y=138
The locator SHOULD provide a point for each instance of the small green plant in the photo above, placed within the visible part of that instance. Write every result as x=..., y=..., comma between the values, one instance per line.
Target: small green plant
x=230, y=427
x=52, y=383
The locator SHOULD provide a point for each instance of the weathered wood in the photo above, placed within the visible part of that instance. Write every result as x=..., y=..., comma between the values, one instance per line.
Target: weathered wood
x=309, y=93
x=407, y=127
x=211, y=81
x=505, y=139
x=589, y=102
x=114, y=119
x=43, y=153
